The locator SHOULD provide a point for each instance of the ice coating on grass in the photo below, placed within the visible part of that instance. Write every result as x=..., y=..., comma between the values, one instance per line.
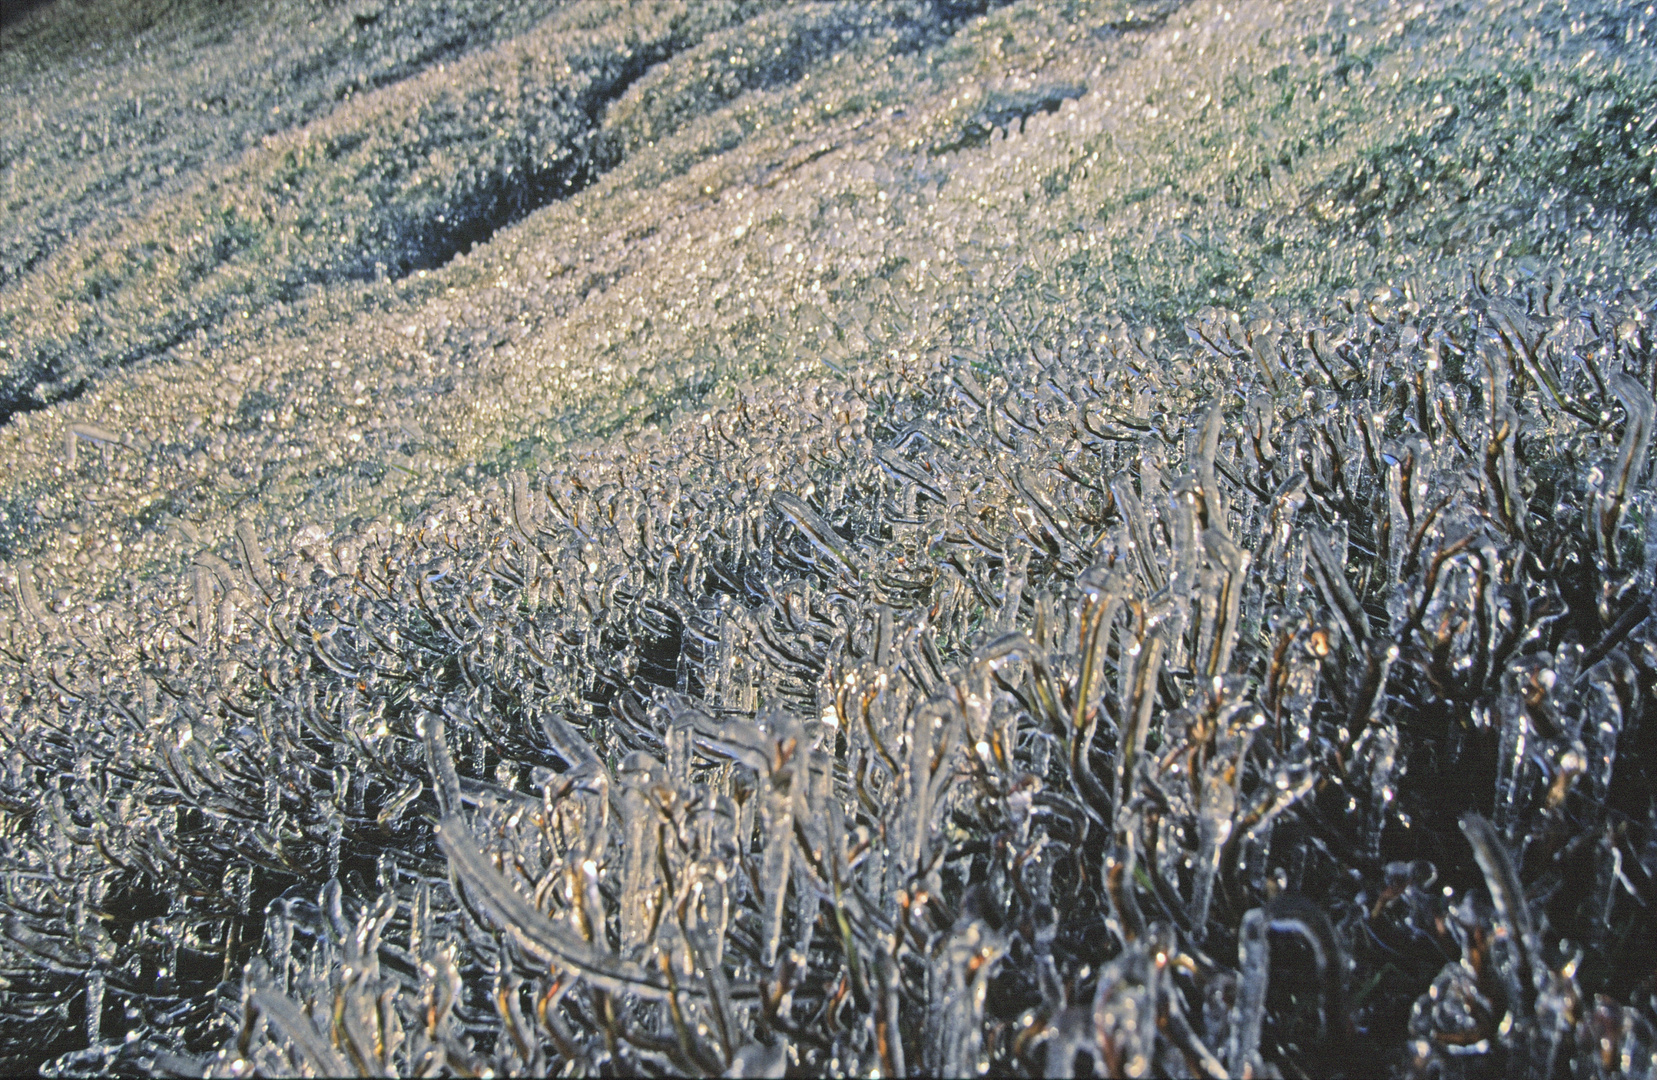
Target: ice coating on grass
x=1044, y=575
x=878, y=832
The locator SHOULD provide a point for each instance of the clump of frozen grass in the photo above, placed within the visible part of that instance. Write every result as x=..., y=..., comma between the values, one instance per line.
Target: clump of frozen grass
x=955, y=717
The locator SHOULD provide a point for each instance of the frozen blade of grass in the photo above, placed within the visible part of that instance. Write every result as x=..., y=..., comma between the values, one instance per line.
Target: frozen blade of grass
x=1242, y=1054
x=28, y=599
x=1102, y=600
x=1192, y=595
x=95, y=984
x=1515, y=330
x=370, y=1031
x=445, y=781
x=253, y=559
x=1637, y=613
x=395, y=807
x=1194, y=1048
x=1514, y=747
x=1330, y=576
x=1516, y=947
x=760, y=1061
x=1611, y=498
x=1125, y=1006
x=524, y=505
x=536, y=935
x=587, y=774
x=1605, y=721
x=1137, y=691
x=205, y=626
x=524, y=1055
x=1310, y=923
x=1071, y=1033
x=1503, y=494
x=1118, y=875
x=1133, y=513
x=1265, y=354
x=935, y=739
x=777, y=827
x=732, y=739
x=1203, y=465
x=815, y=529
x=961, y=975
x=315, y=1050
x=1399, y=474
x=1027, y=486
x=1233, y=562
x=1012, y=597
x=1221, y=779
x=901, y=470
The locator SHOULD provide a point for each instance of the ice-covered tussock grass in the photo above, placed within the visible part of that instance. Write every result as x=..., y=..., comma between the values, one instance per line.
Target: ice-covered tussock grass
x=980, y=713
x=801, y=218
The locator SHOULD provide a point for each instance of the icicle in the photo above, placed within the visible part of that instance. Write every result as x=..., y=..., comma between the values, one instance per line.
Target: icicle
x=1383, y=743
x=1242, y=1056
x=279, y=938
x=1513, y=755
x=777, y=849
x=336, y=835
x=94, y=1005
x=637, y=894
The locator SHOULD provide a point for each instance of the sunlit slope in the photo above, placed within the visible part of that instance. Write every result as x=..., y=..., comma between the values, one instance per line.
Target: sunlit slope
x=883, y=201
x=393, y=179
x=400, y=178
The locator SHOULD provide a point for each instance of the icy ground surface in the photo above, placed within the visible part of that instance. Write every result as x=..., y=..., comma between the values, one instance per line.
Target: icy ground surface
x=831, y=538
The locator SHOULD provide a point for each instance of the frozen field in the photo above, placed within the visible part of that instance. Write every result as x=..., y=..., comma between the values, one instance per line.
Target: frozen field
x=828, y=538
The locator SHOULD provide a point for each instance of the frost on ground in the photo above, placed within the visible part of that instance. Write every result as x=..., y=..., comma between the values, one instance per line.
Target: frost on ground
x=833, y=539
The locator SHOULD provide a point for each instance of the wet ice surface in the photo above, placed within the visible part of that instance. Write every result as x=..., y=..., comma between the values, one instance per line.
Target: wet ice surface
x=1118, y=535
